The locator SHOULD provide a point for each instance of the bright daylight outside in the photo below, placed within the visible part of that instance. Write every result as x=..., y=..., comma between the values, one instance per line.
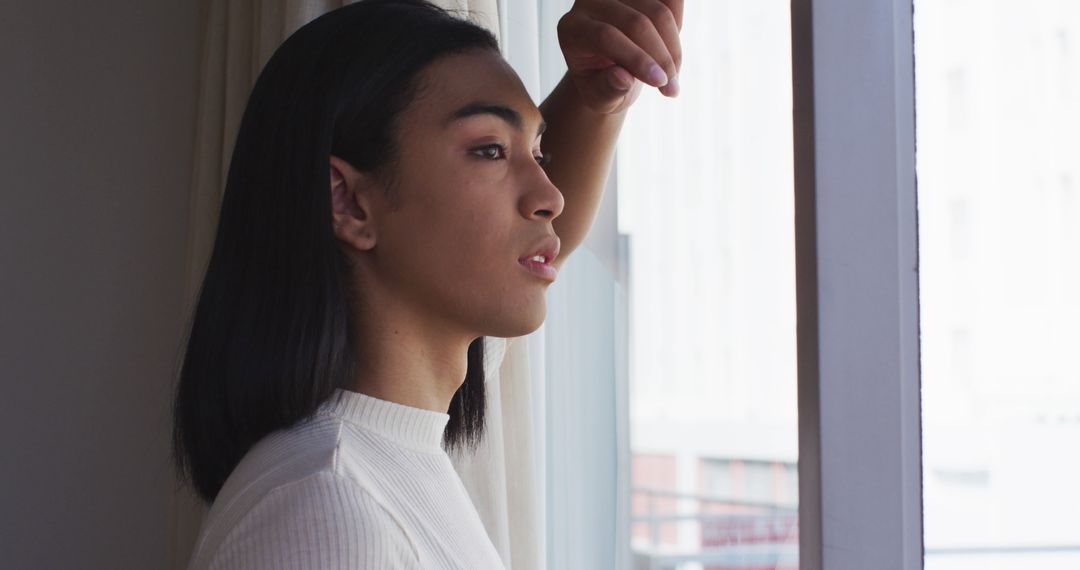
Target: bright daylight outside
x=706, y=198
x=705, y=195
x=998, y=135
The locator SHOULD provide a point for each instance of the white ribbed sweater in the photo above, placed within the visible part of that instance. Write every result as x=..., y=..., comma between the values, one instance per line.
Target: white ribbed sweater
x=364, y=485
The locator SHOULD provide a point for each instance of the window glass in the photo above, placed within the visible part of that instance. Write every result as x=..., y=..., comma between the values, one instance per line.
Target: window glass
x=705, y=194
x=997, y=117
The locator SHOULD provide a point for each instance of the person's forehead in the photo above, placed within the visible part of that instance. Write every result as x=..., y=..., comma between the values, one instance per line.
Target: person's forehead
x=463, y=87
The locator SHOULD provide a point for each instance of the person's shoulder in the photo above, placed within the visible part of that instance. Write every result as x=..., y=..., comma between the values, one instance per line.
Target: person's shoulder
x=322, y=521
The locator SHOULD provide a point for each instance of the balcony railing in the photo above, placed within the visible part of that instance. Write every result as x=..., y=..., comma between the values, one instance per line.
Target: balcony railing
x=735, y=533
x=753, y=534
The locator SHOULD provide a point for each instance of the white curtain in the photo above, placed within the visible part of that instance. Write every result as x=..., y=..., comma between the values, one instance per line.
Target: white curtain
x=505, y=476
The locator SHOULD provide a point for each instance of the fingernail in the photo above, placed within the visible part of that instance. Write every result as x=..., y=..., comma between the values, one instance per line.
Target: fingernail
x=673, y=86
x=622, y=79
x=657, y=76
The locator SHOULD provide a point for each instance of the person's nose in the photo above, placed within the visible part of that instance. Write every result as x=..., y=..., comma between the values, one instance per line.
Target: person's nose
x=543, y=199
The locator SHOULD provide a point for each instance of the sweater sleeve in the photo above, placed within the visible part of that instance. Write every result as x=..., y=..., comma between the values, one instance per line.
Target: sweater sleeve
x=321, y=522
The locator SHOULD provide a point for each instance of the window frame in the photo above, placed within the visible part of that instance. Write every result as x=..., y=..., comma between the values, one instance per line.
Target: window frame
x=856, y=250
x=860, y=472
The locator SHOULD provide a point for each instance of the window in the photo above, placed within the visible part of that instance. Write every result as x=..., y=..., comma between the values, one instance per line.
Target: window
x=859, y=489
x=999, y=260
x=705, y=202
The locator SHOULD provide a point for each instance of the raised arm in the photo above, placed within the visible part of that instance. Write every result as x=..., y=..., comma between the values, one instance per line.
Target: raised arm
x=610, y=47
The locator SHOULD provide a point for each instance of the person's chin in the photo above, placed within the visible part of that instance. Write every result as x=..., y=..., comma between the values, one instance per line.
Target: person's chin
x=525, y=322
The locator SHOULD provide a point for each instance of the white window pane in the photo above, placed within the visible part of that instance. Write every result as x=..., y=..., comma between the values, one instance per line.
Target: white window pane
x=998, y=112
x=706, y=197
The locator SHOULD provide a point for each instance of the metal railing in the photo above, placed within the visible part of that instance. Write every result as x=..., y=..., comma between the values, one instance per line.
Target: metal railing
x=754, y=534
x=737, y=552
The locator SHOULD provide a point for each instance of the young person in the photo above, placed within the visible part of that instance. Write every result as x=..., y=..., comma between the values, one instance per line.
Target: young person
x=385, y=203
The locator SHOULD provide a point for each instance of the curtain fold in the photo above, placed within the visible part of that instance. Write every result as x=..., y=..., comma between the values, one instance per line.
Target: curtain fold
x=503, y=477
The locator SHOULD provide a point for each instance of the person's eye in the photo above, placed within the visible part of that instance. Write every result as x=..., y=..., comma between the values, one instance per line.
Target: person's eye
x=544, y=158
x=484, y=151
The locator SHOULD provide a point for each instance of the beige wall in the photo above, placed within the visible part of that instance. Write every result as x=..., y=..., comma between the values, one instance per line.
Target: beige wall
x=97, y=103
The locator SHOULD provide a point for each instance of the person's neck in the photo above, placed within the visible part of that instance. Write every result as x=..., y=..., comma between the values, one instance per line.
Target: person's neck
x=414, y=365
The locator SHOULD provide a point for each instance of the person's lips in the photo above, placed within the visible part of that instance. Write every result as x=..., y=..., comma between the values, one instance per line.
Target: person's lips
x=538, y=261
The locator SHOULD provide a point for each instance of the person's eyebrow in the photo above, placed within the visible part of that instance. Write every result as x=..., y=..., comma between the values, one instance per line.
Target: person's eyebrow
x=512, y=117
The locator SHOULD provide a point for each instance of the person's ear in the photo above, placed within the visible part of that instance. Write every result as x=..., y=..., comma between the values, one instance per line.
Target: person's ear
x=351, y=204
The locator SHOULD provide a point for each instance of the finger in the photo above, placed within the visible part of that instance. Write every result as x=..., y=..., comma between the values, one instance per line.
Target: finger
x=622, y=25
x=620, y=78
x=676, y=7
x=614, y=94
x=613, y=44
x=664, y=21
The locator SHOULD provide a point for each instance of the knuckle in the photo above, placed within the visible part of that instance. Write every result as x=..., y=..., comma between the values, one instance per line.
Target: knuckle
x=638, y=23
x=660, y=12
x=562, y=23
x=606, y=34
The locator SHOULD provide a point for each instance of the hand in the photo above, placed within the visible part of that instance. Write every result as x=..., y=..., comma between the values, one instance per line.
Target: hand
x=610, y=45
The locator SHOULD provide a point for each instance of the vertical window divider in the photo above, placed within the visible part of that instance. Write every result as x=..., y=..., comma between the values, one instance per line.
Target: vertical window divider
x=860, y=473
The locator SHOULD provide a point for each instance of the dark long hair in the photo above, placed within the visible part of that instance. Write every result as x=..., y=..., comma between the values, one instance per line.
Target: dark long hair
x=270, y=337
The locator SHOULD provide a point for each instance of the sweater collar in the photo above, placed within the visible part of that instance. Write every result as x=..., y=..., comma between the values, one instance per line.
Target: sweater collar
x=416, y=428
